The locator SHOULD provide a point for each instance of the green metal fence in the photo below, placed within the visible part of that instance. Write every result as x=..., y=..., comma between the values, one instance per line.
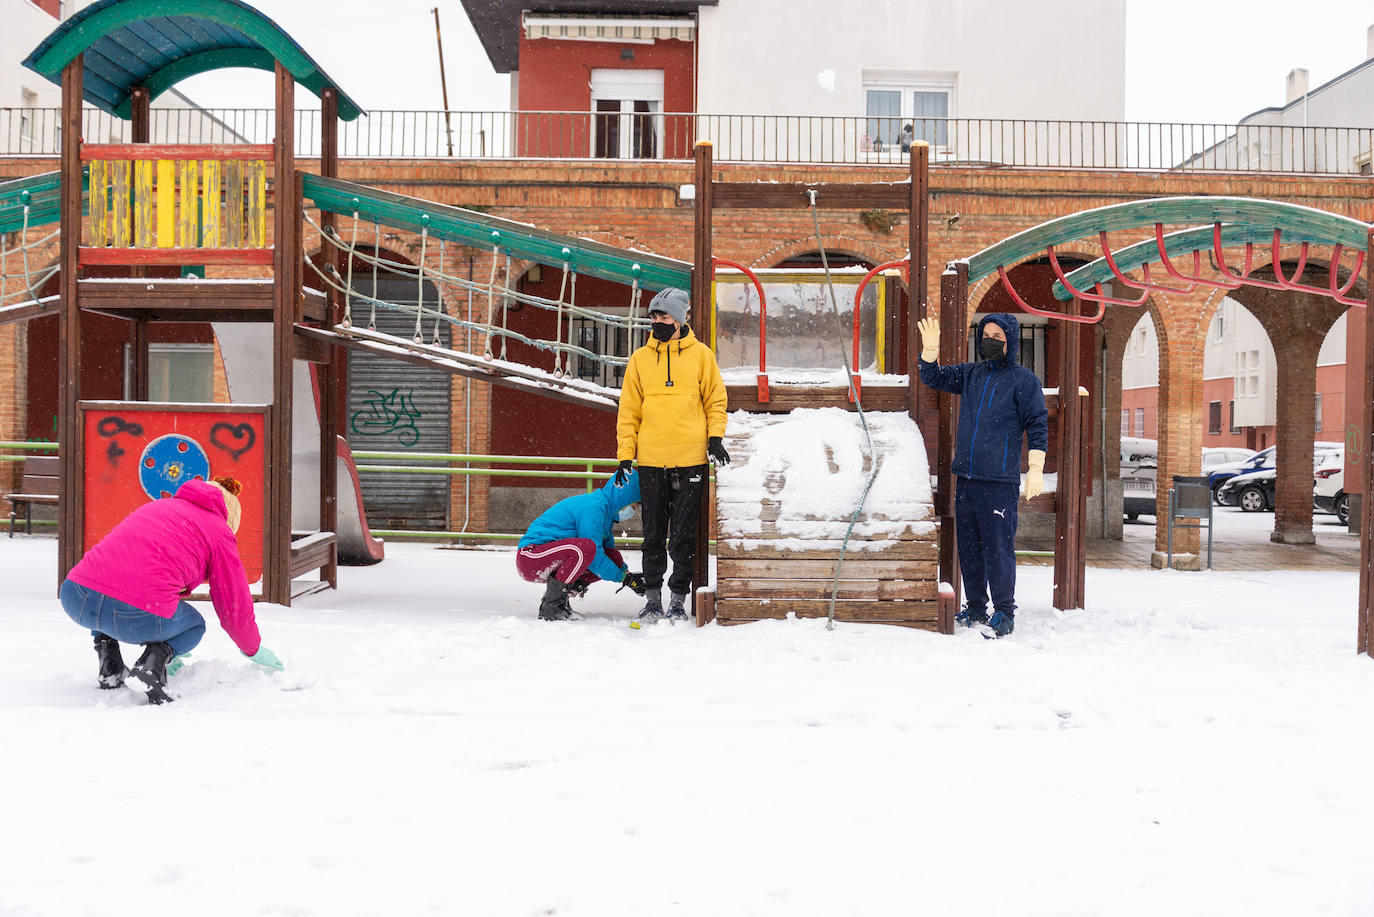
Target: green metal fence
x=444, y=463
x=11, y=451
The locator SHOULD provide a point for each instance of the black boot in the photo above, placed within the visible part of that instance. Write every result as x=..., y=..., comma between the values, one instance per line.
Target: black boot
x=555, y=606
x=112, y=670
x=151, y=671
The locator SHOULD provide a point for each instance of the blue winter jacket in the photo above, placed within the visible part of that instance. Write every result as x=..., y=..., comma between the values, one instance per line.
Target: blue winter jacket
x=590, y=516
x=1001, y=400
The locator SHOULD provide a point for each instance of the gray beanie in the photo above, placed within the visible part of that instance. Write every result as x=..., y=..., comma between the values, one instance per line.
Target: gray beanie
x=673, y=302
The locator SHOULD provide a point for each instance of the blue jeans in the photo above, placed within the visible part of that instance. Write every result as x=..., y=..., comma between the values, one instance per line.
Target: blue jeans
x=127, y=624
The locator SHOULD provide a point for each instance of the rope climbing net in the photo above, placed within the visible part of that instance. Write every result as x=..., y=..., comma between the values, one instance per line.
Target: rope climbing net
x=20, y=279
x=360, y=250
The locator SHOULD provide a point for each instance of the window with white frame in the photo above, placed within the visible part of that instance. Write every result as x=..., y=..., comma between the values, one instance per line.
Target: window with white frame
x=1139, y=421
x=1247, y=374
x=1234, y=428
x=903, y=107
x=1218, y=328
x=1125, y=421
x=29, y=105
x=599, y=338
x=627, y=119
x=176, y=372
x=1318, y=427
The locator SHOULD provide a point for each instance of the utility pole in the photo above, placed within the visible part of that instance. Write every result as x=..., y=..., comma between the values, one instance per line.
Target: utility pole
x=443, y=82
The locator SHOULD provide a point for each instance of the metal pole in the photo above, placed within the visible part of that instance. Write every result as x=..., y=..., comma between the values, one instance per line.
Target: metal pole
x=443, y=82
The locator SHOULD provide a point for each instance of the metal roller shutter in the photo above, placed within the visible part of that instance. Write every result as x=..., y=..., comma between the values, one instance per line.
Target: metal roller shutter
x=395, y=406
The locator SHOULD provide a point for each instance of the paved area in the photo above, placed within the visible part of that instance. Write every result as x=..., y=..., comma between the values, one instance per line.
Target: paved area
x=1240, y=542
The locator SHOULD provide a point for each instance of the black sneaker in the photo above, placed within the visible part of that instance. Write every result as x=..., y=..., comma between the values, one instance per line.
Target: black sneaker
x=677, y=608
x=652, y=610
x=150, y=672
x=112, y=669
x=971, y=617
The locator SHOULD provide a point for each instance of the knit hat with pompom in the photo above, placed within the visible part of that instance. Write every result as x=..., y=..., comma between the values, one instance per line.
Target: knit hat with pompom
x=231, y=488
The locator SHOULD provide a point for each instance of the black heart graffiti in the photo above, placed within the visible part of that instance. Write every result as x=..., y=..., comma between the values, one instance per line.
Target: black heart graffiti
x=113, y=426
x=237, y=438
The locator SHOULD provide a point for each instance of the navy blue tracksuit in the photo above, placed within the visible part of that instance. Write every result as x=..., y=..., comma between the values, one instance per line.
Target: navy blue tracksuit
x=1002, y=401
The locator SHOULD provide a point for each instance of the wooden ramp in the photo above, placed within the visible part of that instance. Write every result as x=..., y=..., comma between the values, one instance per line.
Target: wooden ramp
x=783, y=506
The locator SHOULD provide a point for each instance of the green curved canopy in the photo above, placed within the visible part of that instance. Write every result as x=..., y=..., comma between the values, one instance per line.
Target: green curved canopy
x=158, y=43
x=1245, y=220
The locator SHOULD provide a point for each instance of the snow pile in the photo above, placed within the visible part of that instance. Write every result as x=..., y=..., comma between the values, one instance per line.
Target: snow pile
x=811, y=466
x=1192, y=744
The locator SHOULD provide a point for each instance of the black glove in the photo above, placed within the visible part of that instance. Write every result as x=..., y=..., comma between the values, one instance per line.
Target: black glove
x=716, y=451
x=634, y=580
x=622, y=474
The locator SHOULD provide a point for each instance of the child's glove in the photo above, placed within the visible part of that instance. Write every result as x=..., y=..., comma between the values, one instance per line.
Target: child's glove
x=622, y=474
x=634, y=580
x=267, y=659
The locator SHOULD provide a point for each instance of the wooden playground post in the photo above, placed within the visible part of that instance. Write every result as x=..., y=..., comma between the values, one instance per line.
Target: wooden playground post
x=329, y=372
x=1068, y=509
x=1364, y=642
x=140, y=131
x=953, y=309
x=703, y=607
x=918, y=246
x=286, y=291
x=69, y=530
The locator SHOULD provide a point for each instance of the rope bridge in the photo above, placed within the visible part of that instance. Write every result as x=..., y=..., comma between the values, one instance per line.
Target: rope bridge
x=364, y=212
x=25, y=204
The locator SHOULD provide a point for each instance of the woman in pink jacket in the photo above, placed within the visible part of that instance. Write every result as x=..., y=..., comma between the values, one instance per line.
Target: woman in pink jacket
x=131, y=586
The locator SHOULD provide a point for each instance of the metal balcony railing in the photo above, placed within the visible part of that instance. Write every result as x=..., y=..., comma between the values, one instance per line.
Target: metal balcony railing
x=1022, y=143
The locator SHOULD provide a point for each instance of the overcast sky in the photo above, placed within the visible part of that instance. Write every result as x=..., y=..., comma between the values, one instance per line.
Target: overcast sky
x=1186, y=60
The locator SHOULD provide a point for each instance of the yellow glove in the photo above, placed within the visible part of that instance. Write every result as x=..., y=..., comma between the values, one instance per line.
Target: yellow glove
x=1034, y=484
x=929, y=329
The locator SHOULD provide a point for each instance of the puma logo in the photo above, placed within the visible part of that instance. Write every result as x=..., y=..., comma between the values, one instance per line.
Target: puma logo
x=1000, y=512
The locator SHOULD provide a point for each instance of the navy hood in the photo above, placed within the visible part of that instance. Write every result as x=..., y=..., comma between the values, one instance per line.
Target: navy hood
x=1010, y=327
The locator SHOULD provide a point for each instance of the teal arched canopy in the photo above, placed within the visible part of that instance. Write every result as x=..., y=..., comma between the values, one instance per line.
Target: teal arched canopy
x=158, y=43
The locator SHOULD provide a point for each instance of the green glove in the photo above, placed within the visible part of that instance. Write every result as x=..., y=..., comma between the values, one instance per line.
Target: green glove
x=267, y=659
x=175, y=665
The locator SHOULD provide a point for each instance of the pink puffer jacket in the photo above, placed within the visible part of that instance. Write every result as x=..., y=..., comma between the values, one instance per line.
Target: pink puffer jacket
x=164, y=550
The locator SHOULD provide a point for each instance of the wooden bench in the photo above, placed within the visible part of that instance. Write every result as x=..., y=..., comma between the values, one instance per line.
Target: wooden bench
x=38, y=485
x=313, y=551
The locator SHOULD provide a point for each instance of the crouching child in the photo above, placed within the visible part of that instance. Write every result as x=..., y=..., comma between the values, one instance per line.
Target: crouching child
x=572, y=545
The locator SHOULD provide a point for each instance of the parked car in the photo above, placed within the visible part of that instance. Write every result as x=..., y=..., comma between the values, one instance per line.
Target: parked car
x=1138, y=489
x=1212, y=456
x=1328, y=488
x=1139, y=466
x=1253, y=492
x=1140, y=469
x=1222, y=473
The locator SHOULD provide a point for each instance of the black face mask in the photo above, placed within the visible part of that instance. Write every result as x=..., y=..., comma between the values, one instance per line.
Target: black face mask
x=991, y=348
x=662, y=331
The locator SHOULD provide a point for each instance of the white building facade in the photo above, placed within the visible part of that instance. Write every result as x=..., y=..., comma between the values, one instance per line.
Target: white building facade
x=880, y=66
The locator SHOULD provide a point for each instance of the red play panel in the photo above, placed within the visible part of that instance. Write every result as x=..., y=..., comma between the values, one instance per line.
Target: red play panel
x=134, y=452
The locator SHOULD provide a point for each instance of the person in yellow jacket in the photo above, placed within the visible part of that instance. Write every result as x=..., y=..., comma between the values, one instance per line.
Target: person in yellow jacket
x=672, y=417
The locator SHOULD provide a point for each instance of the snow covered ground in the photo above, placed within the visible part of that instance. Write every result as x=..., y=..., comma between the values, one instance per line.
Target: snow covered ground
x=1192, y=743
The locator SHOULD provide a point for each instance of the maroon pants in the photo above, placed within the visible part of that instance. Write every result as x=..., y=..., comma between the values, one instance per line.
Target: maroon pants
x=567, y=559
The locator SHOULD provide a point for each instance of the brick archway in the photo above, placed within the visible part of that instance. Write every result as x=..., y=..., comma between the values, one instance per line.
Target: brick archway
x=834, y=244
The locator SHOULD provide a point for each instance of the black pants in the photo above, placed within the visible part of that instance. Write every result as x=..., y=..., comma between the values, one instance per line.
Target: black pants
x=671, y=504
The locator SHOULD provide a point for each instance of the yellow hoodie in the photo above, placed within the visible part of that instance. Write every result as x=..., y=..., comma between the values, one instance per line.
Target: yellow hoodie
x=672, y=400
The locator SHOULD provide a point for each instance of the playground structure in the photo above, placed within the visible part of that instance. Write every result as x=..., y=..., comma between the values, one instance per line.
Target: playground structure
x=211, y=205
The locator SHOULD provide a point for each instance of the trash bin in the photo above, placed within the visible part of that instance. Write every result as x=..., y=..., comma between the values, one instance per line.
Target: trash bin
x=1190, y=500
